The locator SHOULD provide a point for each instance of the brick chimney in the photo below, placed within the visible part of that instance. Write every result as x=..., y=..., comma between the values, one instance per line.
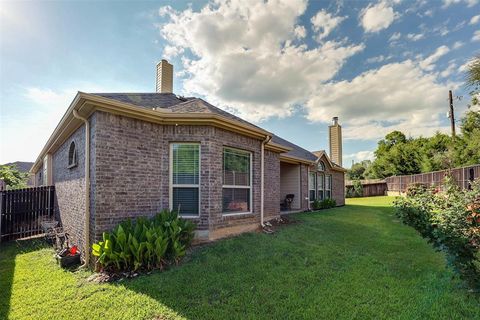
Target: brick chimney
x=164, y=77
x=335, y=139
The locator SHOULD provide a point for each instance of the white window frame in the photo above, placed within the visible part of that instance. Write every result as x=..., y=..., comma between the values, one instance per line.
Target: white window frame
x=314, y=174
x=226, y=186
x=329, y=177
x=321, y=176
x=171, y=185
x=321, y=166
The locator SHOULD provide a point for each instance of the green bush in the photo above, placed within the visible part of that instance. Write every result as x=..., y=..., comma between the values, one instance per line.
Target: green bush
x=144, y=243
x=355, y=190
x=450, y=219
x=324, y=204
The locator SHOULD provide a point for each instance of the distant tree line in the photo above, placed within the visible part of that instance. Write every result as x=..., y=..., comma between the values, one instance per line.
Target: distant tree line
x=398, y=155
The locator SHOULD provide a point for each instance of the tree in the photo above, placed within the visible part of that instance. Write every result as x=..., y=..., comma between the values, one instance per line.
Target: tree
x=14, y=179
x=357, y=171
x=467, y=146
x=473, y=80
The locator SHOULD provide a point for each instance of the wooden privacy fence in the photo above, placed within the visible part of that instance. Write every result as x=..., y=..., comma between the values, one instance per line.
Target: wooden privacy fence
x=370, y=188
x=462, y=176
x=22, y=211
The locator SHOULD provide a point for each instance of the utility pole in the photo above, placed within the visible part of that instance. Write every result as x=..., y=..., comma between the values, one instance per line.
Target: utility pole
x=451, y=114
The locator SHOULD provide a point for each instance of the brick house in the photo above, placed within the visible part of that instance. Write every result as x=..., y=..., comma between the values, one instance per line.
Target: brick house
x=115, y=156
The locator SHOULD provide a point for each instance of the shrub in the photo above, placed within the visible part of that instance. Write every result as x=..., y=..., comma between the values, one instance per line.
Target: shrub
x=327, y=203
x=450, y=220
x=144, y=243
x=356, y=190
x=324, y=204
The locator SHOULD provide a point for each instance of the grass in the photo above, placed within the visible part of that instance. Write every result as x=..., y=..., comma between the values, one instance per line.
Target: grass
x=357, y=262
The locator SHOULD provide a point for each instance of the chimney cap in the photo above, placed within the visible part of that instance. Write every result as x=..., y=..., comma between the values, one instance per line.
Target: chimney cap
x=335, y=120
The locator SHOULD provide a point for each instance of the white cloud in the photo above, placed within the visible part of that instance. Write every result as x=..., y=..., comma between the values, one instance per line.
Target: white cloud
x=429, y=13
x=300, y=32
x=248, y=58
x=377, y=17
x=379, y=59
x=171, y=51
x=396, y=36
x=396, y=96
x=429, y=62
x=469, y=3
x=476, y=36
x=458, y=44
x=323, y=23
x=415, y=36
x=475, y=20
x=260, y=67
x=449, y=70
x=359, y=156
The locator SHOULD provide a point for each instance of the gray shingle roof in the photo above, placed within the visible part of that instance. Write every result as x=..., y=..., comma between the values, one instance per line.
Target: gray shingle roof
x=197, y=105
x=296, y=151
x=146, y=100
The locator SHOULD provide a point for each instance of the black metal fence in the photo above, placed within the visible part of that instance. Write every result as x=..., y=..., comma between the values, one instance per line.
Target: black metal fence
x=22, y=211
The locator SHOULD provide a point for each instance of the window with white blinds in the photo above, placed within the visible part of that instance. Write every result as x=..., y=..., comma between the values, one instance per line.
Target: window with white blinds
x=312, y=181
x=185, y=178
x=328, y=186
x=321, y=186
x=237, y=184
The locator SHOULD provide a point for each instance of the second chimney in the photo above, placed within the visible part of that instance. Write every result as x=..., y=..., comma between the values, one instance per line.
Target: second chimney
x=335, y=137
x=164, y=77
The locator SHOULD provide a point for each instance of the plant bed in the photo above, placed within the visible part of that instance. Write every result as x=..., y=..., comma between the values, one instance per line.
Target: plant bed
x=144, y=244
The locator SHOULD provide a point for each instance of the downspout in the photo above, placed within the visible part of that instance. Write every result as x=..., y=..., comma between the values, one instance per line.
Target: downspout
x=262, y=178
x=87, y=187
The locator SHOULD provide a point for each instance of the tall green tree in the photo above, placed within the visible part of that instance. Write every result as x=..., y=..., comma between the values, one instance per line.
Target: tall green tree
x=14, y=179
x=473, y=80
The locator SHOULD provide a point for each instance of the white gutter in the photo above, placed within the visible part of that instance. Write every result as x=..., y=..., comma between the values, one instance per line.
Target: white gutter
x=262, y=178
x=87, y=187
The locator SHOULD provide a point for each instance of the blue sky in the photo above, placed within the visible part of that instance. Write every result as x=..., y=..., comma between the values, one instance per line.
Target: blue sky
x=288, y=66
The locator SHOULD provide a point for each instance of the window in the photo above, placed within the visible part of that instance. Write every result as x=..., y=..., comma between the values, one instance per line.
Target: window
x=185, y=178
x=321, y=186
x=237, y=184
x=328, y=186
x=72, y=155
x=312, y=180
x=321, y=166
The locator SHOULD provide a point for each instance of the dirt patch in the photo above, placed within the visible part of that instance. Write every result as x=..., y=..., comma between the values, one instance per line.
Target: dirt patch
x=273, y=225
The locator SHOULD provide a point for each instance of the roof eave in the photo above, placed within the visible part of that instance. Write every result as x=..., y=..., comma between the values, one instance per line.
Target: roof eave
x=116, y=107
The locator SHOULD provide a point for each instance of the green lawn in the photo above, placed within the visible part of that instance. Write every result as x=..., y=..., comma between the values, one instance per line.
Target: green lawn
x=357, y=262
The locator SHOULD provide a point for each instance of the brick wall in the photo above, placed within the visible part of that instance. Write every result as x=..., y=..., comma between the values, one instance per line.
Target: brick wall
x=70, y=185
x=272, y=185
x=338, y=187
x=132, y=172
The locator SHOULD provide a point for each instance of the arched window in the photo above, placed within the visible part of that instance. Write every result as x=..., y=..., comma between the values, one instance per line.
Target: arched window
x=321, y=166
x=72, y=155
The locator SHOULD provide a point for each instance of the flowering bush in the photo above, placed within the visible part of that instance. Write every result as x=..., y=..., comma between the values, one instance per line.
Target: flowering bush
x=450, y=219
